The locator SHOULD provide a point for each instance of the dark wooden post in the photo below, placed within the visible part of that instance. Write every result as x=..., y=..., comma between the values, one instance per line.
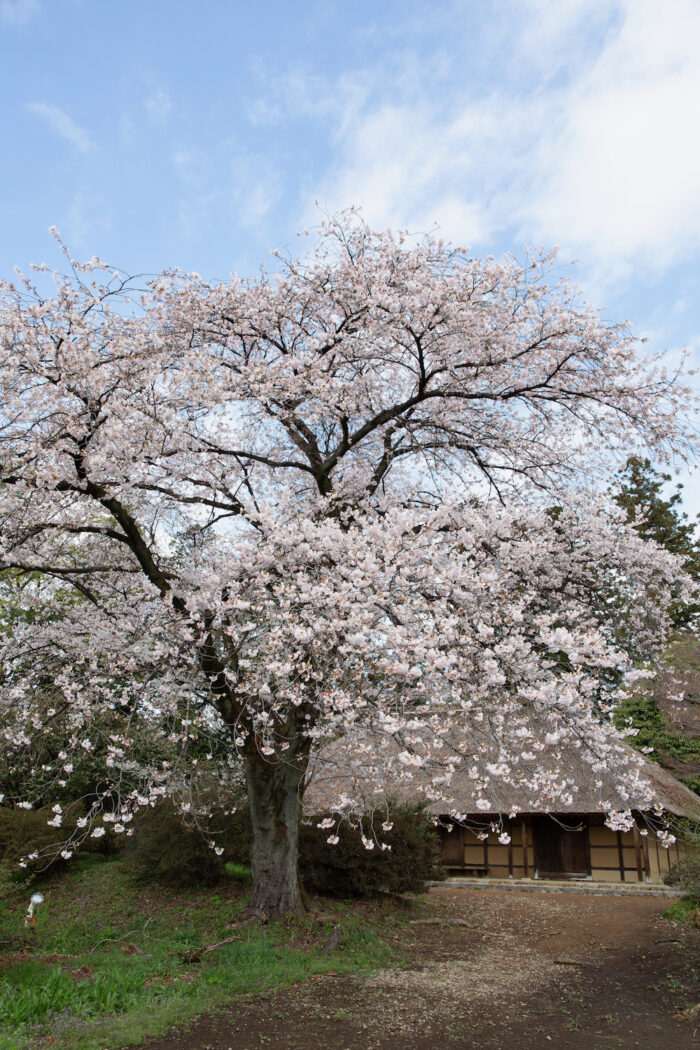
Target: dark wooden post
x=523, y=832
x=638, y=852
x=510, y=850
x=620, y=856
x=645, y=855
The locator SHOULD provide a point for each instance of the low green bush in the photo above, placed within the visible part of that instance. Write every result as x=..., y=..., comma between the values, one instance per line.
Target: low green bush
x=168, y=847
x=349, y=869
x=684, y=910
x=26, y=831
x=686, y=876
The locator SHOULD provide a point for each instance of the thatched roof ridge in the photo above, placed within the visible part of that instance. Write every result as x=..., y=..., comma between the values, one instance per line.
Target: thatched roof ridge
x=347, y=767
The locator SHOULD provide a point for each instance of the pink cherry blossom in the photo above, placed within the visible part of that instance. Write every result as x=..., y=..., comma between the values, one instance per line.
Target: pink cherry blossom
x=359, y=501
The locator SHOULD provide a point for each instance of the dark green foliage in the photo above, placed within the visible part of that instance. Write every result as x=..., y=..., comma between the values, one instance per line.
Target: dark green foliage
x=686, y=876
x=349, y=870
x=167, y=847
x=660, y=518
x=25, y=831
x=642, y=713
x=640, y=494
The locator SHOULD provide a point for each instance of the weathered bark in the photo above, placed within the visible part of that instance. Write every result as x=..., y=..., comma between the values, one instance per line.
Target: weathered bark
x=274, y=795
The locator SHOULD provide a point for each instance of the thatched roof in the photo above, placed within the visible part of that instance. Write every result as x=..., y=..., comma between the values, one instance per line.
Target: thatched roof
x=357, y=767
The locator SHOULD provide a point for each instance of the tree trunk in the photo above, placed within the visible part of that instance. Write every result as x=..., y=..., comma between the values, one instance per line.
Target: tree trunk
x=275, y=802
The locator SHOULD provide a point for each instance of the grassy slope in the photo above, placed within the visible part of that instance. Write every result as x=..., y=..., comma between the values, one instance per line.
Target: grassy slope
x=103, y=965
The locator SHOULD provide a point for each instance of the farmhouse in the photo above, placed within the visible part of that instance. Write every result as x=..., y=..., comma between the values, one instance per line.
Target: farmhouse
x=572, y=843
x=513, y=839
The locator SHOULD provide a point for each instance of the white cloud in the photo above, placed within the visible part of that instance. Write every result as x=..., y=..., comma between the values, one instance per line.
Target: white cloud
x=62, y=125
x=297, y=93
x=17, y=12
x=229, y=184
x=588, y=140
x=86, y=222
x=540, y=33
x=620, y=179
x=405, y=168
x=158, y=105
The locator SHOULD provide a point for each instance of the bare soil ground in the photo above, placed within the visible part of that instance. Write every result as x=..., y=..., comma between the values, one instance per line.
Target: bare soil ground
x=497, y=970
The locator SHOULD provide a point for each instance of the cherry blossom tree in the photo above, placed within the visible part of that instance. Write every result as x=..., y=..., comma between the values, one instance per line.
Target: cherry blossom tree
x=317, y=506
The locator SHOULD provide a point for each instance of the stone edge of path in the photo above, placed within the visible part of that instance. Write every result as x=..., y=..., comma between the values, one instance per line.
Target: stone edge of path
x=575, y=886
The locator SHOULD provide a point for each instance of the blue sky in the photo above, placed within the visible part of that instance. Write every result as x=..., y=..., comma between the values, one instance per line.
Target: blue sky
x=164, y=132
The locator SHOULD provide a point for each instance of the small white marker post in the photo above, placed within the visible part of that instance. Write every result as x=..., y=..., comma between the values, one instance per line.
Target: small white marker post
x=34, y=901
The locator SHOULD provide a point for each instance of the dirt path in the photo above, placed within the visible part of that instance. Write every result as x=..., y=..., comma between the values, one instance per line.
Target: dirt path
x=500, y=970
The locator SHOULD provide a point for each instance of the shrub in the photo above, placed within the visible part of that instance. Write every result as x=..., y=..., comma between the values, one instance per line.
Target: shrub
x=348, y=869
x=24, y=831
x=166, y=847
x=686, y=875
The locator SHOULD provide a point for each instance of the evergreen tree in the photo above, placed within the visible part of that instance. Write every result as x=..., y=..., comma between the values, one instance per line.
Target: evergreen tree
x=660, y=518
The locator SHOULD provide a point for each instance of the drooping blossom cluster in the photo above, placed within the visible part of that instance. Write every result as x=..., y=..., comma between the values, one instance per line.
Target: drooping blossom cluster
x=244, y=520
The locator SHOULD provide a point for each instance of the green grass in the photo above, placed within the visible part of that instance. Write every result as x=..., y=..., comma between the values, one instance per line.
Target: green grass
x=106, y=963
x=238, y=872
x=686, y=910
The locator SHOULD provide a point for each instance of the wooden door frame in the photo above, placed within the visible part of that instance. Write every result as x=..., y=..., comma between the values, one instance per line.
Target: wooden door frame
x=560, y=821
x=456, y=837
